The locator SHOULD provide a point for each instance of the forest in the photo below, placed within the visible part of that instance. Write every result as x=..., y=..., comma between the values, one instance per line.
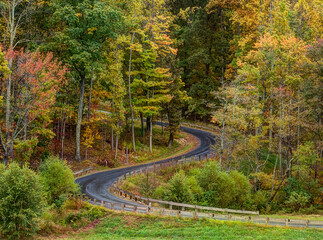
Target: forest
x=85, y=81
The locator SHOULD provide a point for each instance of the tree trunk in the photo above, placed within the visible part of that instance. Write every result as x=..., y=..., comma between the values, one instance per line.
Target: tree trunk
x=142, y=125
x=130, y=100
x=148, y=124
x=161, y=120
x=151, y=135
x=63, y=137
x=170, y=140
x=79, y=120
x=116, y=148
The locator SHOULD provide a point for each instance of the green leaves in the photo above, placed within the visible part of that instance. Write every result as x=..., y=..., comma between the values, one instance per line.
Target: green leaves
x=20, y=201
x=57, y=179
x=85, y=26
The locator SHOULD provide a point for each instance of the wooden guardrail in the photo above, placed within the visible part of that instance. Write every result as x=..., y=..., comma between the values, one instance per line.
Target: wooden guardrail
x=172, y=205
x=83, y=171
x=123, y=207
x=136, y=198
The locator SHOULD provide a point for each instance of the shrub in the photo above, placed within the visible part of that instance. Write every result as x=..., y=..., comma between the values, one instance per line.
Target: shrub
x=57, y=179
x=178, y=189
x=297, y=201
x=241, y=189
x=260, y=201
x=20, y=201
x=222, y=189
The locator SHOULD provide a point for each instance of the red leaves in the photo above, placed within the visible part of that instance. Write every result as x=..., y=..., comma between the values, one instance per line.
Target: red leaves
x=36, y=78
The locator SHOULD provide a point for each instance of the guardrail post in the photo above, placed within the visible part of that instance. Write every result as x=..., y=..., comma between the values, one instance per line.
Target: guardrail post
x=102, y=203
x=122, y=207
x=307, y=223
x=286, y=222
x=267, y=220
x=94, y=202
x=112, y=206
x=170, y=206
x=229, y=217
x=178, y=213
x=195, y=212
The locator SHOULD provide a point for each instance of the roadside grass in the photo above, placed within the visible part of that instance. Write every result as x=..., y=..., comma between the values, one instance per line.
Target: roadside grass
x=132, y=226
x=312, y=217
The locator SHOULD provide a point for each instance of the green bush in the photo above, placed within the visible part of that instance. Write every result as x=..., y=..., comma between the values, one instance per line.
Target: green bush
x=260, y=201
x=20, y=201
x=241, y=190
x=297, y=201
x=178, y=189
x=58, y=180
x=222, y=189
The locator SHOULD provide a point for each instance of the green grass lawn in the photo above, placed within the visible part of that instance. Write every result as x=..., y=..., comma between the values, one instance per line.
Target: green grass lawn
x=130, y=226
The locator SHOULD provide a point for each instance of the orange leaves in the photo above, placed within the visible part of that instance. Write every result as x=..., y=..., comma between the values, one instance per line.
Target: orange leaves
x=38, y=76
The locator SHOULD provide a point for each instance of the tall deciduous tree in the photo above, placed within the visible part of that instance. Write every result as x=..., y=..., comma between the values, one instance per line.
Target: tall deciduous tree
x=83, y=28
x=35, y=79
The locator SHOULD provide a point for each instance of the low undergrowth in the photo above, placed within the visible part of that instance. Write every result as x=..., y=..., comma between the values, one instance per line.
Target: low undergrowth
x=203, y=183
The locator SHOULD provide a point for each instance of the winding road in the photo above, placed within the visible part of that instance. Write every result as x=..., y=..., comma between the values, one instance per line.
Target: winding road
x=96, y=185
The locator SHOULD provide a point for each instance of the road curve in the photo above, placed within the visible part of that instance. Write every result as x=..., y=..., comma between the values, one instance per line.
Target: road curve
x=96, y=185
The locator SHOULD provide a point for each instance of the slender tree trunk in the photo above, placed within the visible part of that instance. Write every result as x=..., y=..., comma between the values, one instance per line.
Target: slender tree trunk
x=25, y=126
x=8, y=114
x=142, y=125
x=148, y=124
x=112, y=131
x=273, y=179
x=117, y=142
x=222, y=138
x=280, y=138
x=63, y=136
x=170, y=140
x=151, y=135
x=161, y=119
x=130, y=100
x=79, y=120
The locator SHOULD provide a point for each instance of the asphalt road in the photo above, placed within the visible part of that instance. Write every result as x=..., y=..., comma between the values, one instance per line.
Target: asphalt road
x=96, y=185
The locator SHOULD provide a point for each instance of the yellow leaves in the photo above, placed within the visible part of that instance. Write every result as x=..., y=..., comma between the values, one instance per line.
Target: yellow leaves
x=90, y=136
x=92, y=30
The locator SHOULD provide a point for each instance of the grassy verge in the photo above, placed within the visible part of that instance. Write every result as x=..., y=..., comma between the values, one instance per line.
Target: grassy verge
x=296, y=216
x=131, y=226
